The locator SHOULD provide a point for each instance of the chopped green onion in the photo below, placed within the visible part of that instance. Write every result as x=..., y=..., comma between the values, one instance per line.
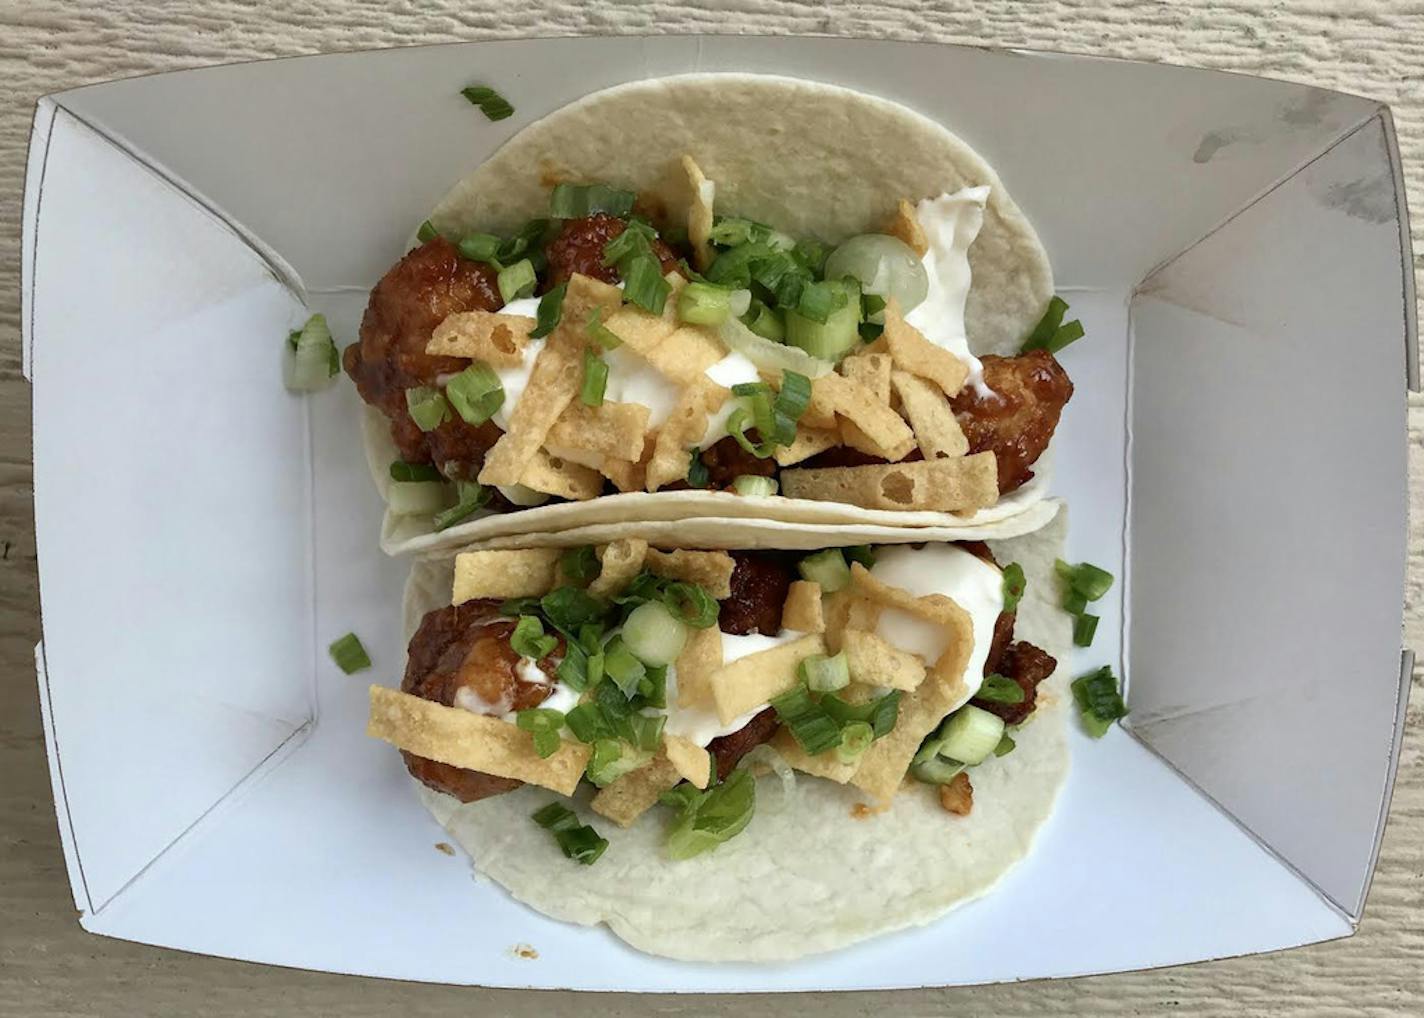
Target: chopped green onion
x=1006, y=745
x=493, y=105
x=807, y=721
x=1014, y=585
x=765, y=322
x=935, y=769
x=427, y=232
x=529, y=640
x=572, y=671
x=691, y=605
x=612, y=759
x=543, y=725
x=313, y=360
x=636, y=239
x=856, y=737
x=997, y=688
x=751, y=389
x=1084, y=578
x=1051, y=333
x=517, y=280
x=862, y=553
x=819, y=300
x=971, y=734
x=551, y=309
x=469, y=496
x=1084, y=627
x=427, y=407
x=824, y=674
x=653, y=635
x=623, y=666
x=1099, y=701
x=578, y=842
x=752, y=486
x=475, y=393
x=698, y=476
x=403, y=471
x=574, y=201
x=711, y=818
x=588, y=723
x=568, y=608
x=645, y=731
x=704, y=304
x=530, y=235
x=611, y=700
x=794, y=396
x=871, y=304
x=481, y=247
x=580, y=564
x=827, y=568
x=643, y=283
x=417, y=498
x=881, y=713
x=349, y=655
x=730, y=231
x=832, y=336
x=1074, y=603
x=600, y=333
x=595, y=379
x=652, y=688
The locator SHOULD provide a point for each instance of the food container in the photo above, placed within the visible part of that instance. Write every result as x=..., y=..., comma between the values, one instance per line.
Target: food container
x=1236, y=248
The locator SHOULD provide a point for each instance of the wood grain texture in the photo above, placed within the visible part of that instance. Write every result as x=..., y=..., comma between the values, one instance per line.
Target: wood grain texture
x=48, y=966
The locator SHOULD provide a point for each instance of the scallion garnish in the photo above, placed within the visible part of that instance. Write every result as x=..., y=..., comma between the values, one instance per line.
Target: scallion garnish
x=595, y=379
x=856, y=738
x=623, y=666
x=998, y=688
x=643, y=282
x=349, y=655
x=543, y=725
x=475, y=393
x=653, y=635
x=427, y=407
x=880, y=713
x=493, y=105
x=480, y=247
x=427, y=232
x=551, y=309
x=1099, y=701
x=636, y=238
x=612, y=759
x=753, y=486
x=529, y=239
x=807, y=721
x=711, y=818
x=1014, y=585
x=690, y=604
x=824, y=674
x=652, y=688
x=827, y=568
x=1006, y=745
x=704, y=304
x=764, y=322
x=589, y=724
x=1051, y=333
x=862, y=553
x=529, y=639
x=578, y=842
x=644, y=731
x=698, y=476
x=1082, y=584
x=600, y=333
x=1084, y=628
x=313, y=359
x=774, y=419
x=412, y=472
x=568, y=608
x=970, y=734
x=469, y=497
x=580, y=564
x=574, y=201
x=517, y=280
x=819, y=300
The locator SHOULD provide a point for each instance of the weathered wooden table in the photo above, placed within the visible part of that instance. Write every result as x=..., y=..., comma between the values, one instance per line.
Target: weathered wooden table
x=48, y=966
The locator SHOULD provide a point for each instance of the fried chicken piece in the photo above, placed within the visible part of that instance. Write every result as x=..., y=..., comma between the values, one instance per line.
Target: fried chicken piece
x=1026, y=665
x=759, y=585
x=579, y=248
x=1017, y=418
x=728, y=750
x=957, y=797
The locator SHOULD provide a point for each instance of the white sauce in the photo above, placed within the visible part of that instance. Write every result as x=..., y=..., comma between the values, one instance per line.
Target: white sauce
x=700, y=725
x=950, y=222
x=974, y=584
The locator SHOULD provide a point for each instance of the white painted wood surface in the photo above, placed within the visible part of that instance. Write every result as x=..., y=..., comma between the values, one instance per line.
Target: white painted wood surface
x=48, y=966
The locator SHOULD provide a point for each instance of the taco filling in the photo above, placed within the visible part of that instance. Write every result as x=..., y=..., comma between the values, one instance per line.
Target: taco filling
x=655, y=677
x=613, y=347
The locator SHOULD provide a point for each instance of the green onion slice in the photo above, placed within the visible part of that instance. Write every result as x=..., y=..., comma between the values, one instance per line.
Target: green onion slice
x=470, y=497
x=517, y=280
x=481, y=247
x=711, y=818
x=636, y=238
x=417, y=498
x=970, y=734
x=427, y=407
x=824, y=674
x=704, y=304
x=753, y=486
x=578, y=842
x=574, y=201
x=551, y=309
x=827, y=568
x=349, y=655
x=569, y=608
x=998, y=688
x=1006, y=745
x=475, y=393
x=856, y=737
x=1014, y=586
x=580, y=564
x=764, y=322
x=862, y=553
x=644, y=731
x=643, y=283
x=427, y=232
x=314, y=359
x=612, y=759
x=529, y=640
x=698, y=476
x=543, y=724
x=623, y=666
x=1084, y=628
x=403, y=471
x=691, y=605
x=807, y=721
x=1099, y=701
x=595, y=379
x=588, y=723
x=653, y=635
x=600, y=333
x=881, y=713
x=1052, y=333
x=1085, y=578
x=493, y=105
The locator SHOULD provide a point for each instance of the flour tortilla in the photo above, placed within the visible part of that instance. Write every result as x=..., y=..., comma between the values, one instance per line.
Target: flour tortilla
x=806, y=157
x=806, y=876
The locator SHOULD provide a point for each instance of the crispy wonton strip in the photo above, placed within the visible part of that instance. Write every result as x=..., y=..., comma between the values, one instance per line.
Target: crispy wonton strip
x=872, y=370
x=874, y=661
x=699, y=213
x=753, y=680
x=460, y=738
x=683, y=428
x=936, y=429
x=890, y=437
x=960, y=484
x=822, y=765
x=518, y=572
x=613, y=429
x=553, y=383
x=904, y=225
x=625, y=475
x=801, y=612
x=710, y=570
x=912, y=352
x=641, y=330
x=809, y=442
x=554, y=475
x=685, y=354
x=621, y=561
x=846, y=609
x=488, y=336
x=636, y=792
x=701, y=656
x=691, y=761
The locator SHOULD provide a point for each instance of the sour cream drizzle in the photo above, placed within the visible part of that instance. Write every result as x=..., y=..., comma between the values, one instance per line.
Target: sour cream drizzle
x=950, y=223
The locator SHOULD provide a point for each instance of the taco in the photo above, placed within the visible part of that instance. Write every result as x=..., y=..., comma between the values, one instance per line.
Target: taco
x=735, y=296
x=744, y=756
